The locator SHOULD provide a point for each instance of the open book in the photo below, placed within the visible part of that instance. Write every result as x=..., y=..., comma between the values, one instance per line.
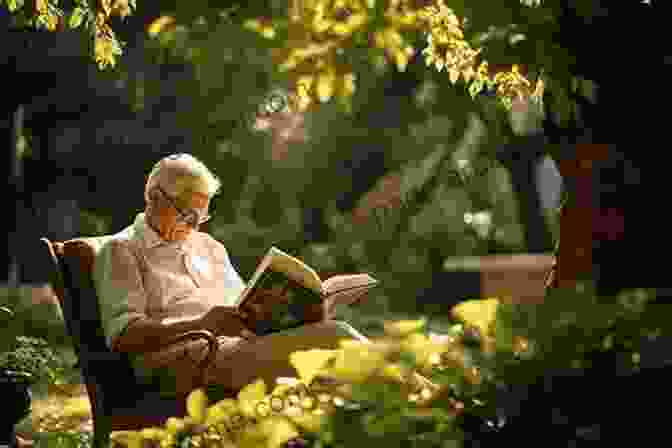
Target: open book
x=282, y=275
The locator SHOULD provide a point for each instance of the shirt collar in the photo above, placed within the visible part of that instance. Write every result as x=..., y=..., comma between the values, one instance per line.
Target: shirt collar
x=151, y=239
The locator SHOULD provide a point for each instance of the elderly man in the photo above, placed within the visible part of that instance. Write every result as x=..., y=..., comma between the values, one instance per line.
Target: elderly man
x=161, y=277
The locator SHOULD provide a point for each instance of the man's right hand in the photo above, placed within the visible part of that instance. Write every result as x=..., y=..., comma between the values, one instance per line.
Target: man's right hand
x=225, y=321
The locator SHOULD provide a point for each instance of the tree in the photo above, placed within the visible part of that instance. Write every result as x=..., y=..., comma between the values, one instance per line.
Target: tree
x=552, y=42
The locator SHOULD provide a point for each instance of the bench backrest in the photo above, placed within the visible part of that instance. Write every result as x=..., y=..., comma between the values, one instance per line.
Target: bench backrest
x=106, y=373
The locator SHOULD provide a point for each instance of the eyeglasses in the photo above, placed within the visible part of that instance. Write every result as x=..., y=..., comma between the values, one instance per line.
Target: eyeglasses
x=190, y=217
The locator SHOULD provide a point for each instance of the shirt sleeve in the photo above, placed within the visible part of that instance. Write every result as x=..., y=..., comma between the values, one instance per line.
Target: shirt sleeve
x=235, y=283
x=120, y=290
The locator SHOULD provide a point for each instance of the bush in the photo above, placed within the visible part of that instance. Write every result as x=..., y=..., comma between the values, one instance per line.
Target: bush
x=411, y=388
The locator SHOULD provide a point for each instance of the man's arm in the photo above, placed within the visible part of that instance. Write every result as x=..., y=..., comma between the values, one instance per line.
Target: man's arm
x=123, y=300
x=149, y=334
x=120, y=290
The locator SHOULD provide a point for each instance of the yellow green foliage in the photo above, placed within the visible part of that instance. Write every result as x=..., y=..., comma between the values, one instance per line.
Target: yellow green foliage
x=320, y=31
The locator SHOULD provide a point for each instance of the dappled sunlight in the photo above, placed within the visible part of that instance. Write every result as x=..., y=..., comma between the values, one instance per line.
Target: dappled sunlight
x=68, y=409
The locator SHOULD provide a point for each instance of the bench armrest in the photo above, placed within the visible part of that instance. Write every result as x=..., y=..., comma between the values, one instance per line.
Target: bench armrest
x=194, y=335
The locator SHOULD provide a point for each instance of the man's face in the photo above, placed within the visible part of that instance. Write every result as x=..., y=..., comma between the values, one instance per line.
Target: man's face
x=169, y=216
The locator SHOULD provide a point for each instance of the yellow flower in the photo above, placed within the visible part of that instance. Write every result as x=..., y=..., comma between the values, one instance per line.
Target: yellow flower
x=325, y=86
x=395, y=372
x=159, y=25
x=308, y=421
x=257, y=26
x=277, y=431
x=308, y=363
x=127, y=438
x=250, y=436
x=268, y=32
x=348, y=87
x=153, y=433
x=249, y=396
x=482, y=73
x=105, y=52
x=252, y=25
x=386, y=347
x=422, y=347
x=348, y=27
x=356, y=364
x=453, y=75
x=220, y=411
x=51, y=21
x=521, y=345
x=392, y=38
x=41, y=6
x=304, y=86
x=401, y=58
x=121, y=8
x=480, y=314
x=403, y=328
x=175, y=425
x=469, y=73
x=379, y=39
x=197, y=403
x=168, y=441
x=539, y=88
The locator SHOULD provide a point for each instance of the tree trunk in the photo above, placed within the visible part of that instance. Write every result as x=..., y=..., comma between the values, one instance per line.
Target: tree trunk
x=10, y=128
x=580, y=219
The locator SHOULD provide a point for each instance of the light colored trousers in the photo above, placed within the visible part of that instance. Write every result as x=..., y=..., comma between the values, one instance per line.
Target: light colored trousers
x=240, y=362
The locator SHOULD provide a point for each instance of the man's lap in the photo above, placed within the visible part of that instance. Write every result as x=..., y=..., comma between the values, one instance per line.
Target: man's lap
x=239, y=362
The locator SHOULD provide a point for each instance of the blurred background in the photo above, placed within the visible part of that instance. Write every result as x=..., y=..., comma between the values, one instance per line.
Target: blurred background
x=440, y=197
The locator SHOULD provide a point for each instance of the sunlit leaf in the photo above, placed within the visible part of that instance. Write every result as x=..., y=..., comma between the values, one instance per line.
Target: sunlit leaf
x=480, y=314
x=277, y=430
x=402, y=328
x=309, y=421
x=76, y=18
x=356, y=365
x=159, y=25
x=309, y=362
x=197, y=403
x=250, y=395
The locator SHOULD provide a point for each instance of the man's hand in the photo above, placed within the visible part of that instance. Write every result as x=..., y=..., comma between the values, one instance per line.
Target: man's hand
x=315, y=312
x=261, y=309
x=266, y=300
x=225, y=321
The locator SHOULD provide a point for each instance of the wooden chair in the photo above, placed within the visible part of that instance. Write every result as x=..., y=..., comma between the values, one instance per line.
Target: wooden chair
x=119, y=400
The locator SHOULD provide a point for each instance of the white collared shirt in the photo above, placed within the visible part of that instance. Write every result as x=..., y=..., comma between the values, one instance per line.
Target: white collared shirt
x=137, y=275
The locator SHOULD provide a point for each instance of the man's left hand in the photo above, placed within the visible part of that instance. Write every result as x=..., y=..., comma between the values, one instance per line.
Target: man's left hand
x=315, y=313
x=262, y=308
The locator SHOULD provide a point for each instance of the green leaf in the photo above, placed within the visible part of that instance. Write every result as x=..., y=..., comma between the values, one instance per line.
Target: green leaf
x=76, y=18
x=385, y=425
x=13, y=5
x=475, y=88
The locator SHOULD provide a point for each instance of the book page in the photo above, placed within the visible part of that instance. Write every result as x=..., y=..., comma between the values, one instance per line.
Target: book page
x=279, y=261
x=296, y=269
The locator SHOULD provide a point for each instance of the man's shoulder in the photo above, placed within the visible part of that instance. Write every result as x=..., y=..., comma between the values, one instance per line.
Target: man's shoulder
x=125, y=239
x=205, y=240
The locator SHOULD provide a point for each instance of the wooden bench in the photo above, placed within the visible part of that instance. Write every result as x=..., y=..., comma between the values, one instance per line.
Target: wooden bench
x=119, y=400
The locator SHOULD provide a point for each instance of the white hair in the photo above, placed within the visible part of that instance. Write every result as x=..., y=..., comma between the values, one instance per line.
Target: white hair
x=180, y=173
